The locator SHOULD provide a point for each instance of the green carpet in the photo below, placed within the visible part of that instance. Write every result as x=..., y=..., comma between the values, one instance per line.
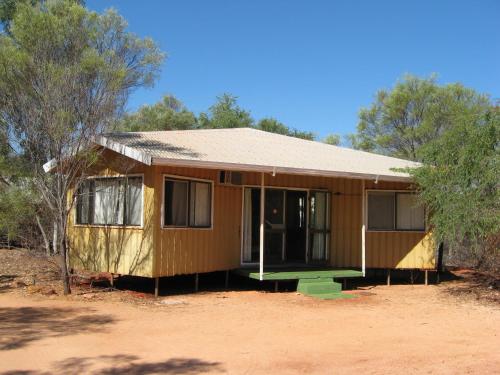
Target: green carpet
x=322, y=288
x=297, y=274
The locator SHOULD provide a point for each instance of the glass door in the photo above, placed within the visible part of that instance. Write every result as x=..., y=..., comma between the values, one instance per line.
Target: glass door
x=319, y=226
x=274, y=219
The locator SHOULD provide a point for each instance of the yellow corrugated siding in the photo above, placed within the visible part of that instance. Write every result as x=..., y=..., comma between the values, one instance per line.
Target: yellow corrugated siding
x=399, y=250
x=155, y=251
x=185, y=251
x=116, y=249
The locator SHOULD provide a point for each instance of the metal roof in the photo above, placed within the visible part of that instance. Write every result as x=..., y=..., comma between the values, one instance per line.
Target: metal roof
x=248, y=149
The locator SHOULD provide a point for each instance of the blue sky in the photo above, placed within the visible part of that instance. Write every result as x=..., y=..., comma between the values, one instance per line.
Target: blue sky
x=312, y=64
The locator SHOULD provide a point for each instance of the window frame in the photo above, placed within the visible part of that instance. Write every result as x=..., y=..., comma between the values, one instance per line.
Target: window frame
x=121, y=226
x=171, y=177
x=395, y=229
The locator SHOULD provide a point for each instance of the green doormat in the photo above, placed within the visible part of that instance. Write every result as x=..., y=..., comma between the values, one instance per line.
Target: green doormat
x=322, y=288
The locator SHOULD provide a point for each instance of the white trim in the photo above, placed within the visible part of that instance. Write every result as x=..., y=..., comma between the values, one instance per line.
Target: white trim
x=94, y=177
x=242, y=233
x=261, y=229
x=274, y=169
x=306, y=212
x=120, y=148
x=165, y=176
x=363, y=228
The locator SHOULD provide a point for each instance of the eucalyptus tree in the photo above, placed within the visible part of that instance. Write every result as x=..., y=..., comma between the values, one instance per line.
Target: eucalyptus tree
x=167, y=114
x=459, y=182
x=65, y=76
x=225, y=113
x=413, y=113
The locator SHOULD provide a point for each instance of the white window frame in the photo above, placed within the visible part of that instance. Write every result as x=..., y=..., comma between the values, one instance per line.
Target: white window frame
x=94, y=177
x=395, y=230
x=165, y=177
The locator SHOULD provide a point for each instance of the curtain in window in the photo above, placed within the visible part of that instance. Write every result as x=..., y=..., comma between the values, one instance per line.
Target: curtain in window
x=410, y=215
x=176, y=203
x=108, y=201
x=318, y=246
x=200, y=203
x=247, y=226
x=134, y=201
x=83, y=203
x=381, y=210
x=319, y=226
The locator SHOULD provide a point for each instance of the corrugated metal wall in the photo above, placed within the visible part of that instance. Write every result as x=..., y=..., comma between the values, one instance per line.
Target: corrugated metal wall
x=185, y=251
x=119, y=250
x=155, y=251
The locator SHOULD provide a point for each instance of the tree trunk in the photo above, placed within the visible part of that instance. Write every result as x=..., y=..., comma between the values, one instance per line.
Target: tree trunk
x=54, y=239
x=64, y=266
x=44, y=236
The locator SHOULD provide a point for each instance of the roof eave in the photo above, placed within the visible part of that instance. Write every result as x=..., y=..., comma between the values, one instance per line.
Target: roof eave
x=120, y=148
x=271, y=169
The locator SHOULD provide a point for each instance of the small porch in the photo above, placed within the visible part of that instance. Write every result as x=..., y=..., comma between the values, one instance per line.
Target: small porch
x=317, y=282
x=297, y=273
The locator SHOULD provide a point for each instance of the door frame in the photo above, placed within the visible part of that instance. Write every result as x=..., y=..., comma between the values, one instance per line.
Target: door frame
x=308, y=202
x=327, y=232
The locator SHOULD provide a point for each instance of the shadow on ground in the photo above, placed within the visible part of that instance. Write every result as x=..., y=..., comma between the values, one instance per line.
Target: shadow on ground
x=124, y=364
x=5, y=282
x=185, y=284
x=19, y=326
x=467, y=283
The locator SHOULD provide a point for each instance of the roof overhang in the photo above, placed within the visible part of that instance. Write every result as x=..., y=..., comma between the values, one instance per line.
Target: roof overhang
x=147, y=159
x=276, y=169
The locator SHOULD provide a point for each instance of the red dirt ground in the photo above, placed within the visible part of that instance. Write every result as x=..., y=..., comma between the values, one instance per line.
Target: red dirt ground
x=399, y=329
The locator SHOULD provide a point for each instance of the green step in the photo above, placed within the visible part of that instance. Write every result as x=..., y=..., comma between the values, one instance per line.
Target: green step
x=322, y=288
x=318, y=287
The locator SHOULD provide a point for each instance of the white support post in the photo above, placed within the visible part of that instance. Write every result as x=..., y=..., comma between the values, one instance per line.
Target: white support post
x=261, y=237
x=363, y=229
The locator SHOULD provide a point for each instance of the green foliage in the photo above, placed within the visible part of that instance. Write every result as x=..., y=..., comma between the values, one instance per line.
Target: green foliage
x=168, y=114
x=272, y=125
x=332, y=139
x=413, y=113
x=171, y=114
x=65, y=76
x=18, y=207
x=226, y=113
x=459, y=183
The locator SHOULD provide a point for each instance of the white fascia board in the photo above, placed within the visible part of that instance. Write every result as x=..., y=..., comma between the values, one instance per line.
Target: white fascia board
x=114, y=146
x=281, y=170
x=129, y=152
x=51, y=164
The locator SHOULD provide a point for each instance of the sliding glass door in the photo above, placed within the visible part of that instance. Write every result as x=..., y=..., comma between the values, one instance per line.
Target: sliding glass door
x=319, y=226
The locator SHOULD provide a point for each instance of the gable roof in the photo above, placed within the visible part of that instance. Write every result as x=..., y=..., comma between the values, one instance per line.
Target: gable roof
x=247, y=149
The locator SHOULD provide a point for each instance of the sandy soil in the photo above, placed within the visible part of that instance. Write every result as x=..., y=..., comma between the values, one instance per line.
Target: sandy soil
x=397, y=329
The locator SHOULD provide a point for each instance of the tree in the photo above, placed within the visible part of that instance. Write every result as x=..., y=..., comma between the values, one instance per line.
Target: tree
x=168, y=114
x=65, y=76
x=413, y=113
x=332, y=139
x=226, y=113
x=459, y=184
x=272, y=125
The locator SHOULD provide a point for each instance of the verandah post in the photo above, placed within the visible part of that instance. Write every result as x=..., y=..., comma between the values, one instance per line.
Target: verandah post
x=261, y=237
x=363, y=228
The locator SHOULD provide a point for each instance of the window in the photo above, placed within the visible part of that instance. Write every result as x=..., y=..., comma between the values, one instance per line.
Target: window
x=188, y=203
x=410, y=215
x=395, y=211
x=110, y=201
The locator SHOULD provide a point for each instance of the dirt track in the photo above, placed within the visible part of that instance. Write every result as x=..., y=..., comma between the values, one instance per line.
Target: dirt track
x=397, y=329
